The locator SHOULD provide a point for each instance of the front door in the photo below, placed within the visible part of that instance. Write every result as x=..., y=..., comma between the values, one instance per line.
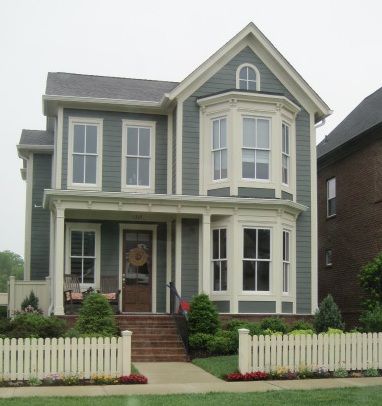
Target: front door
x=137, y=270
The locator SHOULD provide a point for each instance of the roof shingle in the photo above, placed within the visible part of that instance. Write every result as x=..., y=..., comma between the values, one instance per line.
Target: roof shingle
x=36, y=137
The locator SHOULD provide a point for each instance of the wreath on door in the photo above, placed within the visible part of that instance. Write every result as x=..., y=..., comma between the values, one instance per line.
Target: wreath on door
x=137, y=256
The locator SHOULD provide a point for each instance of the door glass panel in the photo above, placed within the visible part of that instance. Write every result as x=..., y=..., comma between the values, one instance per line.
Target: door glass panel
x=138, y=257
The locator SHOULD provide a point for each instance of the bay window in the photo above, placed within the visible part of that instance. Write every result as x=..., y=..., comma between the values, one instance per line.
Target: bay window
x=286, y=261
x=285, y=155
x=219, y=259
x=219, y=148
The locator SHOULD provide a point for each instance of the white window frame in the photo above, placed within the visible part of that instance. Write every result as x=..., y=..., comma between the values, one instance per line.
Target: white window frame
x=284, y=153
x=137, y=188
x=327, y=262
x=218, y=150
x=257, y=292
x=96, y=228
x=247, y=65
x=213, y=260
x=98, y=122
x=286, y=264
x=328, y=215
x=269, y=149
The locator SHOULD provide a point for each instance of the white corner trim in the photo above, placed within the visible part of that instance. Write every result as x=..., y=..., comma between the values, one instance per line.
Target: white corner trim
x=179, y=147
x=178, y=254
x=85, y=227
x=58, y=143
x=168, y=263
x=28, y=219
x=98, y=122
x=247, y=65
x=170, y=136
x=136, y=188
x=133, y=227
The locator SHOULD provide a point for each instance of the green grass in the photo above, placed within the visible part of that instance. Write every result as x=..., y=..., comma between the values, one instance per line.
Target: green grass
x=134, y=369
x=371, y=396
x=218, y=366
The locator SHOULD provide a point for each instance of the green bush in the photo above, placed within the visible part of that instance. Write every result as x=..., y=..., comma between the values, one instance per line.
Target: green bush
x=234, y=325
x=301, y=332
x=3, y=312
x=221, y=344
x=36, y=325
x=96, y=317
x=203, y=316
x=300, y=325
x=328, y=315
x=199, y=341
x=372, y=320
x=334, y=331
x=370, y=279
x=273, y=324
x=30, y=301
x=269, y=332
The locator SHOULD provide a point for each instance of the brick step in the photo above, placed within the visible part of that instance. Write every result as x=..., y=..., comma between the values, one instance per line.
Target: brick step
x=143, y=318
x=153, y=337
x=148, y=325
x=158, y=344
x=157, y=351
x=160, y=358
x=154, y=331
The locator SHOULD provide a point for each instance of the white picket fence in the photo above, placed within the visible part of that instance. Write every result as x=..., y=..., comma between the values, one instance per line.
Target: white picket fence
x=21, y=359
x=350, y=351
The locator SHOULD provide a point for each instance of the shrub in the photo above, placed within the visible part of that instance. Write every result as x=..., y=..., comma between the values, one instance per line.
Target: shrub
x=269, y=332
x=372, y=320
x=328, y=315
x=3, y=312
x=334, y=331
x=203, y=316
x=274, y=324
x=370, y=372
x=36, y=325
x=133, y=378
x=370, y=279
x=30, y=301
x=301, y=332
x=250, y=376
x=199, y=341
x=234, y=325
x=96, y=317
x=340, y=373
x=300, y=325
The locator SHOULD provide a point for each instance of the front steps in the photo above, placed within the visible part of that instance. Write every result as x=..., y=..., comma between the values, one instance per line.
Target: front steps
x=155, y=338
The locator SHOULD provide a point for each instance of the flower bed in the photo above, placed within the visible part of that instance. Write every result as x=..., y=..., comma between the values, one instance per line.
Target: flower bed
x=74, y=380
x=284, y=374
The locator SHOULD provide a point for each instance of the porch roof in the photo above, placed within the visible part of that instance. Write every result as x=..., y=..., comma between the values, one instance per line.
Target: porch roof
x=162, y=203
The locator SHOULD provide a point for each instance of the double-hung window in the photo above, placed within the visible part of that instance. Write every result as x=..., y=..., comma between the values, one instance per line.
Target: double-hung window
x=285, y=155
x=138, y=156
x=331, y=197
x=286, y=261
x=256, y=259
x=256, y=148
x=85, y=156
x=219, y=148
x=219, y=259
x=83, y=255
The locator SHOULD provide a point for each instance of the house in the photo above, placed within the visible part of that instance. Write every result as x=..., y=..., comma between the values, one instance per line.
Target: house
x=349, y=203
x=209, y=183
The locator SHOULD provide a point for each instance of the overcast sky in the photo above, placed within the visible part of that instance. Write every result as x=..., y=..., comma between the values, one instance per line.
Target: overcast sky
x=335, y=46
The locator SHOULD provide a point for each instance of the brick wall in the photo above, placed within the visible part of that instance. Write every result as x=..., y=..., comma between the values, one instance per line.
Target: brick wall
x=355, y=233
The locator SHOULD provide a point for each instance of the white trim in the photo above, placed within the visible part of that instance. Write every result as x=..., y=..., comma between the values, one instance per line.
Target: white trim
x=179, y=146
x=328, y=181
x=247, y=65
x=126, y=123
x=134, y=227
x=178, y=254
x=28, y=219
x=98, y=122
x=170, y=135
x=168, y=263
x=96, y=228
x=58, y=145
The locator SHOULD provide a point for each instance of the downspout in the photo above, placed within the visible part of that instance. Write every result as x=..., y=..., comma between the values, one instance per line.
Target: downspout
x=320, y=124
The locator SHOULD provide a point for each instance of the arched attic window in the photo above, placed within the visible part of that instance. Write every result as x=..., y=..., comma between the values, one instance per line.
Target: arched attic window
x=247, y=77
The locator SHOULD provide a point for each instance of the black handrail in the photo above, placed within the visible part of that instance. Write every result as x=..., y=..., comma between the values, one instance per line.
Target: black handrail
x=179, y=313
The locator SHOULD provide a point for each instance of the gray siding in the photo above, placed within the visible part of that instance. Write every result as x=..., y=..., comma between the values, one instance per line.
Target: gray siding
x=40, y=227
x=221, y=192
x=287, y=307
x=161, y=267
x=286, y=195
x=223, y=306
x=260, y=193
x=110, y=249
x=257, y=307
x=190, y=258
x=112, y=147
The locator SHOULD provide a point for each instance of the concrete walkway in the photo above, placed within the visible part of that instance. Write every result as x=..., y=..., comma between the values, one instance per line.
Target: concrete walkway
x=176, y=378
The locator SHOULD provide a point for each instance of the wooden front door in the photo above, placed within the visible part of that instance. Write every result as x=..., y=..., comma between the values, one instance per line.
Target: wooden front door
x=137, y=270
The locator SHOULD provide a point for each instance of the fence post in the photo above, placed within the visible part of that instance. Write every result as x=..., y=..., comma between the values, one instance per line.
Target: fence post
x=126, y=352
x=244, y=351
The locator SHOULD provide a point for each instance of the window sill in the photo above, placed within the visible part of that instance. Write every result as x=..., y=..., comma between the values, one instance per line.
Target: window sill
x=134, y=189
x=90, y=187
x=331, y=217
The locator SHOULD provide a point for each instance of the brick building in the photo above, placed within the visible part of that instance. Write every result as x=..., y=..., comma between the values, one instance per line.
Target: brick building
x=350, y=204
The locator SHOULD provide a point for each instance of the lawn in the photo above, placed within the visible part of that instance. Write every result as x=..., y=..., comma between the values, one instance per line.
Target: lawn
x=356, y=396
x=218, y=366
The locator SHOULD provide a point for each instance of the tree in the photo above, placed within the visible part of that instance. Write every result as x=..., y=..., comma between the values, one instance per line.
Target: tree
x=11, y=264
x=203, y=316
x=370, y=279
x=328, y=316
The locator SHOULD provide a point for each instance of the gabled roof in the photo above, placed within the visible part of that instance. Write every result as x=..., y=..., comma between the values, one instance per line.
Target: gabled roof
x=36, y=137
x=364, y=117
x=106, y=87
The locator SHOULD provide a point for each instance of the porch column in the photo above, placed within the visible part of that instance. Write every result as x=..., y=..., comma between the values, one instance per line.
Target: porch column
x=178, y=254
x=59, y=262
x=206, y=248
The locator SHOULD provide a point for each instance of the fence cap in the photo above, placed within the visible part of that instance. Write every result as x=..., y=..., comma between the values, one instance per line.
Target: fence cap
x=243, y=331
x=126, y=333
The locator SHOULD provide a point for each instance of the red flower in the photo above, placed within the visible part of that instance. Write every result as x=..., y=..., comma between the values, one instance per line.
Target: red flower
x=250, y=376
x=132, y=379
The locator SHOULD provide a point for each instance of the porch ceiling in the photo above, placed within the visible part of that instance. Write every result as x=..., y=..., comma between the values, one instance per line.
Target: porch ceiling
x=155, y=203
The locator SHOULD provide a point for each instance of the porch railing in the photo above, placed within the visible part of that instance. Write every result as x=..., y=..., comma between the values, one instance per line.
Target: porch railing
x=179, y=313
